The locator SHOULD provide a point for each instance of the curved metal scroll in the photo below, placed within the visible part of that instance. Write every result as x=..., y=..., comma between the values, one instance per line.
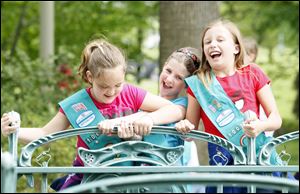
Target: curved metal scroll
x=265, y=153
x=132, y=183
x=131, y=151
x=236, y=151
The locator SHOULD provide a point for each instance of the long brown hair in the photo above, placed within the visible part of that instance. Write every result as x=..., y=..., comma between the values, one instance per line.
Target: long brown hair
x=203, y=72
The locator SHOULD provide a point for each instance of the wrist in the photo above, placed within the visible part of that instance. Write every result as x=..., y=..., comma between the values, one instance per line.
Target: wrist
x=151, y=118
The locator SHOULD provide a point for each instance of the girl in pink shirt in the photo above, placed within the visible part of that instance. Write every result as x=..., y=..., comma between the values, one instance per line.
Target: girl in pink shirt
x=103, y=67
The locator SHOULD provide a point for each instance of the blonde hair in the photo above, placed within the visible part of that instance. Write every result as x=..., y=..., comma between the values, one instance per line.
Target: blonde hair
x=203, y=72
x=98, y=55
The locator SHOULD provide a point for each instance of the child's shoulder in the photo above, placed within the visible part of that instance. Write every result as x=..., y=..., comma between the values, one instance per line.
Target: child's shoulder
x=251, y=67
x=181, y=101
x=128, y=87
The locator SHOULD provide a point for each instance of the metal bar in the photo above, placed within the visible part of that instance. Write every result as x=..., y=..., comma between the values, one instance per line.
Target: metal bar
x=251, y=159
x=155, y=169
x=116, y=183
x=8, y=173
x=220, y=188
x=13, y=137
x=44, y=186
x=13, y=145
x=251, y=151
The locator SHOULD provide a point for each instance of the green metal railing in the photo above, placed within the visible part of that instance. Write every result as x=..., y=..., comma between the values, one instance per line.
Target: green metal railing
x=97, y=163
x=126, y=184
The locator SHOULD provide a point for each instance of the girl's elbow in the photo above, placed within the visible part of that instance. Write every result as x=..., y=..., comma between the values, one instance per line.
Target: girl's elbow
x=279, y=122
x=181, y=112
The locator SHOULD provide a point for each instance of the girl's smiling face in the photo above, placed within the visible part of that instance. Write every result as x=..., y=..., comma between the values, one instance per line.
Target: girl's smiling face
x=171, y=79
x=108, y=85
x=219, y=48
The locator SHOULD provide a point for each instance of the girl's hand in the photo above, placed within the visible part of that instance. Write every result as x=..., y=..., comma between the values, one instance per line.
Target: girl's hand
x=107, y=126
x=143, y=125
x=10, y=122
x=184, y=126
x=252, y=127
x=125, y=130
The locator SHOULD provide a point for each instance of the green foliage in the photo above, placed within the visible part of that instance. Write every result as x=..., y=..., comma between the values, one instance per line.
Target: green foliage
x=78, y=22
x=275, y=26
x=266, y=21
x=16, y=83
x=33, y=88
x=296, y=103
x=27, y=83
x=288, y=125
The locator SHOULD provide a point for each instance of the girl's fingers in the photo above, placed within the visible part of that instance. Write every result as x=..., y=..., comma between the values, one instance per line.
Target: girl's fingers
x=106, y=127
x=184, y=126
x=125, y=130
x=131, y=130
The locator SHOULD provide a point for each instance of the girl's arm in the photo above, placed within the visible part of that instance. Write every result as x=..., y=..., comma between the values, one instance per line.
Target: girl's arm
x=192, y=116
x=193, y=111
x=273, y=121
x=267, y=100
x=58, y=123
x=162, y=111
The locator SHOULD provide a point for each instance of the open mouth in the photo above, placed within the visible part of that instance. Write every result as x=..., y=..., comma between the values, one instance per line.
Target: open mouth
x=166, y=86
x=215, y=55
x=109, y=96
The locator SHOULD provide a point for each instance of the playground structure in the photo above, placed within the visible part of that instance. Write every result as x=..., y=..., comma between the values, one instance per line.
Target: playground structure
x=101, y=176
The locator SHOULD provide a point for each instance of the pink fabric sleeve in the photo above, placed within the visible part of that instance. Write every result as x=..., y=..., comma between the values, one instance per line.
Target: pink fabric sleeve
x=61, y=110
x=135, y=95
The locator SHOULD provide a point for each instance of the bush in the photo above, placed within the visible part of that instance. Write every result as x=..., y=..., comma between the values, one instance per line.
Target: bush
x=288, y=125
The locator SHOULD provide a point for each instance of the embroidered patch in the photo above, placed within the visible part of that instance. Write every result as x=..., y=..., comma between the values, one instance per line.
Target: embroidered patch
x=79, y=106
x=212, y=108
x=225, y=117
x=217, y=104
x=85, y=118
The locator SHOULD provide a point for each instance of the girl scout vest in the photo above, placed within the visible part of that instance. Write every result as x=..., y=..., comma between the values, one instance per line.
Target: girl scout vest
x=82, y=112
x=223, y=114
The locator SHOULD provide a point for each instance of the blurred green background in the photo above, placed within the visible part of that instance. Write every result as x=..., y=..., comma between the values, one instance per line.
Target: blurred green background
x=33, y=87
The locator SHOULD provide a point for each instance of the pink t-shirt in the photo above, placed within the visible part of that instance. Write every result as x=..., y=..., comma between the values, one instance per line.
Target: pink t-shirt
x=241, y=88
x=127, y=102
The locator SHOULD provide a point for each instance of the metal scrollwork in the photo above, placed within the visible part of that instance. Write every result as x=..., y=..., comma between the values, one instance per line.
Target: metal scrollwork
x=265, y=153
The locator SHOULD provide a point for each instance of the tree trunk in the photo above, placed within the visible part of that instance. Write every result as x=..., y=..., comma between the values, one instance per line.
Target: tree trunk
x=181, y=24
x=47, y=31
x=18, y=29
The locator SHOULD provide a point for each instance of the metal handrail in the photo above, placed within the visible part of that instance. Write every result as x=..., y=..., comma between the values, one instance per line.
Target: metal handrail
x=240, y=158
x=235, y=151
x=213, y=179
